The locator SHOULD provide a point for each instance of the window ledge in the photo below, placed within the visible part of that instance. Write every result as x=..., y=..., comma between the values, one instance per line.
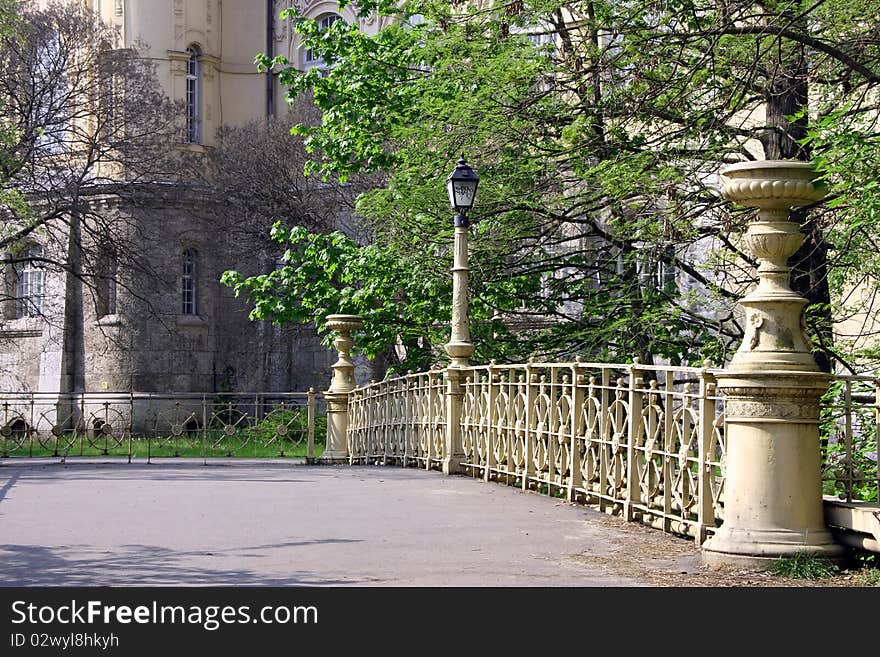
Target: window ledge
x=24, y=327
x=191, y=320
x=108, y=320
x=192, y=148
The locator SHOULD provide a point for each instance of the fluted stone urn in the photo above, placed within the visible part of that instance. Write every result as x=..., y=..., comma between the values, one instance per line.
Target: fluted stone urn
x=342, y=383
x=343, y=369
x=773, y=489
x=775, y=335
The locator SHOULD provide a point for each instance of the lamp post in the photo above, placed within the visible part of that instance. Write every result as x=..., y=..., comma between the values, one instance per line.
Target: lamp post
x=462, y=188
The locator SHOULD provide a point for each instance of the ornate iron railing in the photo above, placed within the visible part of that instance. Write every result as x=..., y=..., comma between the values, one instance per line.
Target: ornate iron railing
x=643, y=441
x=639, y=440
x=401, y=421
x=148, y=425
x=850, y=441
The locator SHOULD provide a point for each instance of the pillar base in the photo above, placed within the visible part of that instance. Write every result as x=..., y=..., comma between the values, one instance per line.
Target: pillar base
x=453, y=465
x=773, y=500
x=331, y=459
x=758, y=549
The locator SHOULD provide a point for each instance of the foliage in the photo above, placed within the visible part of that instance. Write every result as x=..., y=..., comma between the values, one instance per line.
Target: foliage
x=803, y=565
x=596, y=158
x=868, y=572
x=256, y=168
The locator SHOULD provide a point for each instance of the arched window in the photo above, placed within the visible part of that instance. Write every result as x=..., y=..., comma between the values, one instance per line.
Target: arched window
x=193, y=92
x=189, y=282
x=311, y=59
x=29, y=283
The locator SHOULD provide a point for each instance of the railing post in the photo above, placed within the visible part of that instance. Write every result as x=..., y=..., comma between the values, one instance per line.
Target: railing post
x=529, y=442
x=848, y=439
x=130, y=424
x=336, y=450
x=402, y=425
x=491, y=423
x=575, y=476
x=454, y=397
x=876, y=384
x=669, y=436
x=705, y=506
x=605, y=438
x=422, y=405
x=634, y=433
x=204, y=431
x=310, y=419
x=552, y=427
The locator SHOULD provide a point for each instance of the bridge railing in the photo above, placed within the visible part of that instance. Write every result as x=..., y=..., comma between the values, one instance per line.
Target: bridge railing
x=643, y=441
x=848, y=420
x=400, y=421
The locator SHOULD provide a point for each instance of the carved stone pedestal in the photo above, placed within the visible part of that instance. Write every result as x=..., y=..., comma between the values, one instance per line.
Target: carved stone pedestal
x=336, y=450
x=773, y=487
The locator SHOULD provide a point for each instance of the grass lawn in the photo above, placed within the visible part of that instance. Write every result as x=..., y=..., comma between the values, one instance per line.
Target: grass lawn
x=207, y=445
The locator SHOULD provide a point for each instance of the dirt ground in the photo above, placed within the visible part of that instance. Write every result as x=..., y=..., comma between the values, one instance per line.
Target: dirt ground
x=639, y=558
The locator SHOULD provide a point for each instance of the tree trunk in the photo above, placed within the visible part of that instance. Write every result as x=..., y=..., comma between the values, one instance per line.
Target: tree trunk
x=786, y=97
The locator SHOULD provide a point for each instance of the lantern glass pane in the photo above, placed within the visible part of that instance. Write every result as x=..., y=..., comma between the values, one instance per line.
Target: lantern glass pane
x=463, y=193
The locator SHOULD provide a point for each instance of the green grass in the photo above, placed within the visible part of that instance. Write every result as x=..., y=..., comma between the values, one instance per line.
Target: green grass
x=868, y=577
x=803, y=565
x=281, y=433
x=207, y=445
x=867, y=568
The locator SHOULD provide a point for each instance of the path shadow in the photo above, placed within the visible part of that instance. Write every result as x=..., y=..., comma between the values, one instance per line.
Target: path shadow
x=8, y=485
x=151, y=565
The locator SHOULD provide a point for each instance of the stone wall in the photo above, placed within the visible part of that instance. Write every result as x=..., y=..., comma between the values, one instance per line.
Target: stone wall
x=149, y=344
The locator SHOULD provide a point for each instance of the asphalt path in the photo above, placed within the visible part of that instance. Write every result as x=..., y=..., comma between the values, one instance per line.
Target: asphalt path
x=184, y=523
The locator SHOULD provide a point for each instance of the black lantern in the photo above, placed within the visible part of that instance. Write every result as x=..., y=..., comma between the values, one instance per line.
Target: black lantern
x=462, y=187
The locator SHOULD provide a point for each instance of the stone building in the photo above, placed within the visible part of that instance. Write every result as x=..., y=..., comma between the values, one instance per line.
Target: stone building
x=169, y=325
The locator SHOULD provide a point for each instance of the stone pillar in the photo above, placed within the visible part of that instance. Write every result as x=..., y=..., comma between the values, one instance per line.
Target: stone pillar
x=460, y=348
x=336, y=450
x=454, y=395
x=773, y=487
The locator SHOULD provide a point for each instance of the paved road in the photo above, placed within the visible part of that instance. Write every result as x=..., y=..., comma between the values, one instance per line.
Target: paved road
x=184, y=523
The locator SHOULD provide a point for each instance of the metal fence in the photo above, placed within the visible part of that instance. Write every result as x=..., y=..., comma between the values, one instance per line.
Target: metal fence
x=643, y=441
x=639, y=440
x=850, y=442
x=147, y=425
x=401, y=421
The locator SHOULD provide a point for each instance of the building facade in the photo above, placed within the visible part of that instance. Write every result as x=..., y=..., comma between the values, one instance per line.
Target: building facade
x=168, y=325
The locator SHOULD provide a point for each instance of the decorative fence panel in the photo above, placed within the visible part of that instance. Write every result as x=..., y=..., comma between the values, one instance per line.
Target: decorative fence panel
x=401, y=421
x=640, y=440
x=144, y=425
